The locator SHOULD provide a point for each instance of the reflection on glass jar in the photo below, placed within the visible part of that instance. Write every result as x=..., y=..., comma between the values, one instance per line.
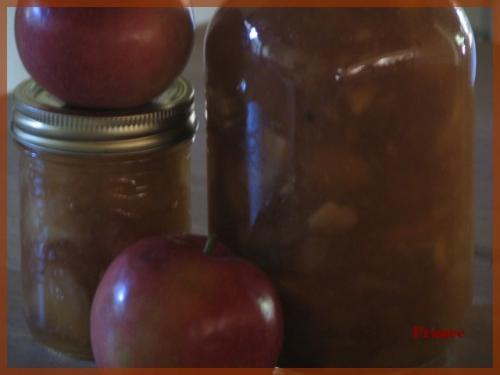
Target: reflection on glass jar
x=340, y=161
x=82, y=203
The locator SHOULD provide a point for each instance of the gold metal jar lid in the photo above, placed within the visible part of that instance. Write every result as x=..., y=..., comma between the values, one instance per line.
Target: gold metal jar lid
x=43, y=122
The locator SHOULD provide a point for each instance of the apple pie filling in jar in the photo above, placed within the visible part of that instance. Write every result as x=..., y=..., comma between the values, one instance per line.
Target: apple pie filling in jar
x=340, y=145
x=92, y=183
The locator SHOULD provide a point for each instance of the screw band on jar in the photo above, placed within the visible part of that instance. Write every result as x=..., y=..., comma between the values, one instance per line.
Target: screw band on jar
x=41, y=121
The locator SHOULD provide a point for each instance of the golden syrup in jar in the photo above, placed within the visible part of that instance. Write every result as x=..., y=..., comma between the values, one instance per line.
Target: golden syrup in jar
x=340, y=161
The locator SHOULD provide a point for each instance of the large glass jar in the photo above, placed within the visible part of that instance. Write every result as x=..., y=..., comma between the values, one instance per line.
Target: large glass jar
x=340, y=161
x=91, y=184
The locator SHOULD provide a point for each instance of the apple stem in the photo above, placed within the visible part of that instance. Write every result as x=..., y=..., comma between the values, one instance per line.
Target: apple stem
x=210, y=244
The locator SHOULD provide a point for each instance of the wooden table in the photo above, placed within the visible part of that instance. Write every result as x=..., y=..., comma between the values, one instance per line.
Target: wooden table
x=472, y=351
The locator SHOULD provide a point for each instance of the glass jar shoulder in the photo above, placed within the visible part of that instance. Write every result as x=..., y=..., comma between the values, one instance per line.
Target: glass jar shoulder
x=326, y=41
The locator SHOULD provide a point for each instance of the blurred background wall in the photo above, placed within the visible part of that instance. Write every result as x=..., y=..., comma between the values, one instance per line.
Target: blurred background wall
x=479, y=17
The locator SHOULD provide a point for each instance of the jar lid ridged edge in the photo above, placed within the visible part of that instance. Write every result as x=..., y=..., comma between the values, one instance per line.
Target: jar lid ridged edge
x=41, y=121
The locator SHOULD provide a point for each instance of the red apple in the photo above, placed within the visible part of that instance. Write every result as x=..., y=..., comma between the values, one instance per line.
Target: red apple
x=104, y=57
x=164, y=302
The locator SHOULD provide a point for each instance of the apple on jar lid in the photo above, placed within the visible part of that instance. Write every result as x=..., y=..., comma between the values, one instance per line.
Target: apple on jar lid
x=104, y=57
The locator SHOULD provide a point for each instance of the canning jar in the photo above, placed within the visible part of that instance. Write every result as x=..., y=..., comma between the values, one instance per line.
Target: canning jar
x=92, y=183
x=340, y=161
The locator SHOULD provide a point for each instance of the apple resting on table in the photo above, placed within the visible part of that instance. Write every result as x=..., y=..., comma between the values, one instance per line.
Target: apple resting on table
x=181, y=301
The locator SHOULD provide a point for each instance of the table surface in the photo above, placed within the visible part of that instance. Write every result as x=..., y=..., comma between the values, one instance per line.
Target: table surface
x=474, y=350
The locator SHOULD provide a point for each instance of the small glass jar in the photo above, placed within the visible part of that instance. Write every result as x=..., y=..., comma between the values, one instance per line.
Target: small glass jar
x=340, y=145
x=92, y=183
